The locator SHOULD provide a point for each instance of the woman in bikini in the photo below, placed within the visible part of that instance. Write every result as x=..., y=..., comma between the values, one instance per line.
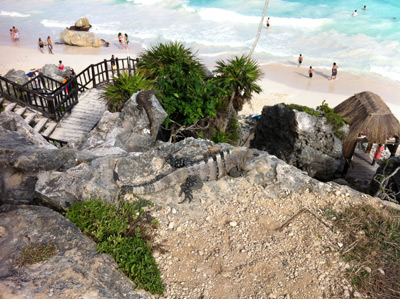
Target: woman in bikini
x=50, y=45
x=126, y=41
x=121, y=40
x=41, y=45
x=60, y=65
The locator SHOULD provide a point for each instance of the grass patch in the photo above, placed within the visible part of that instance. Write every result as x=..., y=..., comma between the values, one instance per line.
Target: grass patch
x=37, y=253
x=122, y=232
x=372, y=249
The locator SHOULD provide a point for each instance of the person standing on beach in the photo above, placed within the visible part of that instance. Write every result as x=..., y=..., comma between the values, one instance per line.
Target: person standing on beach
x=113, y=65
x=310, y=72
x=268, y=23
x=60, y=65
x=126, y=41
x=334, y=70
x=16, y=34
x=12, y=34
x=50, y=45
x=121, y=40
x=41, y=45
x=300, y=59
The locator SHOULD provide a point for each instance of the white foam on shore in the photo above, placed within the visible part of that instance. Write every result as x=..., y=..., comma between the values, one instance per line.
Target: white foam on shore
x=54, y=24
x=13, y=14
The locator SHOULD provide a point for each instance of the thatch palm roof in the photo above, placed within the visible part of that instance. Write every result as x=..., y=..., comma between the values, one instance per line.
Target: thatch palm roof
x=368, y=114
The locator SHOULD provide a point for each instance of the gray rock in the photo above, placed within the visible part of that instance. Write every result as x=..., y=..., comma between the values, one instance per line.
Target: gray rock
x=247, y=127
x=17, y=76
x=82, y=22
x=52, y=71
x=300, y=139
x=75, y=271
x=81, y=39
x=127, y=131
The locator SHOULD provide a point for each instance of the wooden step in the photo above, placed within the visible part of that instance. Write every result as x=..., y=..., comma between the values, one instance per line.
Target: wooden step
x=40, y=125
x=30, y=117
x=10, y=107
x=49, y=129
x=20, y=111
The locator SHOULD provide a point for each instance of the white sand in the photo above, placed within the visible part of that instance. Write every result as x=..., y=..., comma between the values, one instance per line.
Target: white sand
x=289, y=84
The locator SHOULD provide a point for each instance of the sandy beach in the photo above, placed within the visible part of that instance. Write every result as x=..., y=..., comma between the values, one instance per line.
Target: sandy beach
x=280, y=83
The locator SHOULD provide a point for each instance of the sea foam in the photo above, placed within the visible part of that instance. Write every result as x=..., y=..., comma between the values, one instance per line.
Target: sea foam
x=13, y=14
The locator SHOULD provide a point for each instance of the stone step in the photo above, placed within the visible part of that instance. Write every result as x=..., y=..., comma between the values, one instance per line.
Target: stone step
x=1, y=101
x=10, y=107
x=20, y=111
x=40, y=125
x=49, y=129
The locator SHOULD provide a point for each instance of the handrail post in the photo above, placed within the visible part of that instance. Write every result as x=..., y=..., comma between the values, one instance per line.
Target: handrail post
x=117, y=63
x=135, y=64
x=94, y=78
x=106, y=68
x=50, y=103
x=129, y=65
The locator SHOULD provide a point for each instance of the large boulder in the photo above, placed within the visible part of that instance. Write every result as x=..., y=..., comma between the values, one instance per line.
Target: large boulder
x=52, y=71
x=302, y=140
x=17, y=76
x=23, y=154
x=75, y=271
x=74, y=38
x=83, y=23
x=393, y=184
x=127, y=131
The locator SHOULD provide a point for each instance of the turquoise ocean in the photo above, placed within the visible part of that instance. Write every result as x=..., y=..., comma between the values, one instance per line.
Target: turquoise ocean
x=322, y=31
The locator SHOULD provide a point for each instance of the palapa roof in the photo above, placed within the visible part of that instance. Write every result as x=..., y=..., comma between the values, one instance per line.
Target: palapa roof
x=368, y=114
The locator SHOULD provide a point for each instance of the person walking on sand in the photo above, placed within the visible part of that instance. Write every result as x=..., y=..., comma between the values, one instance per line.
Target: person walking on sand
x=50, y=45
x=268, y=23
x=310, y=72
x=334, y=70
x=126, y=41
x=60, y=65
x=121, y=40
x=41, y=45
x=300, y=59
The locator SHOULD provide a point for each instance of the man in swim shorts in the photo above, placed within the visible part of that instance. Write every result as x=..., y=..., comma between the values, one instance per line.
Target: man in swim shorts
x=310, y=72
x=300, y=59
x=334, y=70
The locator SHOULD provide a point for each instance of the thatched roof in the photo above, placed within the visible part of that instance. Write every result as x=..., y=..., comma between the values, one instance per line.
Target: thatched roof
x=368, y=114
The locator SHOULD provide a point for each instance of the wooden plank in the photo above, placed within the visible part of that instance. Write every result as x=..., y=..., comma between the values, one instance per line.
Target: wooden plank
x=40, y=125
x=49, y=130
x=10, y=107
x=30, y=118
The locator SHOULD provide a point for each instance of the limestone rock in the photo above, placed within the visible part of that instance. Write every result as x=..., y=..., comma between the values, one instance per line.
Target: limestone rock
x=300, y=139
x=80, y=39
x=52, y=71
x=83, y=22
x=17, y=76
x=127, y=131
x=75, y=271
x=247, y=126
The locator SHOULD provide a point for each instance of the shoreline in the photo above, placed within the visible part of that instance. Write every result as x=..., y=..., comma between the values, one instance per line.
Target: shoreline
x=280, y=83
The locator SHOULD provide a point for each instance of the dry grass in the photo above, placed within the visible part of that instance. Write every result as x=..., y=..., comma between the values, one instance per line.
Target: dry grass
x=37, y=253
x=372, y=249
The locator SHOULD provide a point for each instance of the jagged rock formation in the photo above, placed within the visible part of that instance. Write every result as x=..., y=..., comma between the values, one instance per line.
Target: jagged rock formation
x=125, y=131
x=81, y=25
x=74, y=38
x=300, y=139
x=75, y=271
x=17, y=76
x=52, y=71
x=393, y=185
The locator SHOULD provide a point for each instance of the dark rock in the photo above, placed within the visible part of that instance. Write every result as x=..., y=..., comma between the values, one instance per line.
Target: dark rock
x=75, y=271
x=300, y=139
x=17, y=76
x=387, y=168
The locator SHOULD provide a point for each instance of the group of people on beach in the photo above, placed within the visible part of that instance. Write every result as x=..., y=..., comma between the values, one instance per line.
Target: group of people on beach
x=311, y=70
x=14, y=33
x=123, y=40
x=42, y=44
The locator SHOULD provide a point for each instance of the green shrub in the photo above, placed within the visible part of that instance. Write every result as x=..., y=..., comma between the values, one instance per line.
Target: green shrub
x=120, y=232
x=303, y=109
x=232, y=130
x=219, y=137
x=123, y=87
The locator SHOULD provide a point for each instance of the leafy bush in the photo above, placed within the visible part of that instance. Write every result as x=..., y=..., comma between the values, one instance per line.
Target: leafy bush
x=123, y=87
x=119, y=231
x=184, y=92
x=232, y=130
x=219, y=137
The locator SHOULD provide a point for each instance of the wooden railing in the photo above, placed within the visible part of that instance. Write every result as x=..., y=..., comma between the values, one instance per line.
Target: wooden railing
x=54, y=99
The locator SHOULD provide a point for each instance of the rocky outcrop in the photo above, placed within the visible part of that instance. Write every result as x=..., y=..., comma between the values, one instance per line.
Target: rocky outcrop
x=24, y=154
x=247, y=127
x=17, y=76
x=393, y=185
x=75, y=271
x=127, y=131
x=300, y=139
x=80, y=39
x=52, y=71
x=81, y=25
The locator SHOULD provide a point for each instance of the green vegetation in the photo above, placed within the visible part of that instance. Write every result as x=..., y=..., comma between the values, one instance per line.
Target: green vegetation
x=123, y=87
x=372, y=248
x=324, y=110
x=37, y=253
x=121, y=232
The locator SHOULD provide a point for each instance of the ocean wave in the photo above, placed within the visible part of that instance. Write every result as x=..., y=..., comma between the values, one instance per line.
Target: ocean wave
x=54, y=24
x=13, y=14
